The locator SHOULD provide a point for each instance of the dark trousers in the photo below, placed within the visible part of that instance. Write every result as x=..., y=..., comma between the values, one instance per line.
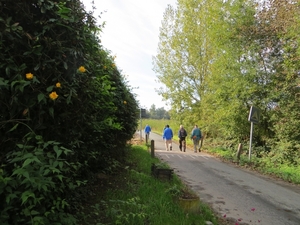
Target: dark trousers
x=182, y=144
x=147, y=137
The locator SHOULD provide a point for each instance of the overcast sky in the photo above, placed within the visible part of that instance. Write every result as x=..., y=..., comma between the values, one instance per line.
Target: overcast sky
x=132, y=33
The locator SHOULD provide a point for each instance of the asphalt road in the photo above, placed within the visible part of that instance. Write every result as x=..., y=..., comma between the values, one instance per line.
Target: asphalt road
x=235, y=193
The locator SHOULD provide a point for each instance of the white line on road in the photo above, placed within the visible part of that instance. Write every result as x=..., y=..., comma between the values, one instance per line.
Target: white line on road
x=181, y=156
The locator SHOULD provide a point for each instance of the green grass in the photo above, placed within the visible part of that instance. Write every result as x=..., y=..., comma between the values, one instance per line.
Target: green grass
x=157, y=127
x=287, y=172
x=136, y=197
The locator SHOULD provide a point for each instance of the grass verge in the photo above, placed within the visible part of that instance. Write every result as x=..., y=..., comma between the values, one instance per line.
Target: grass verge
x=134, y=196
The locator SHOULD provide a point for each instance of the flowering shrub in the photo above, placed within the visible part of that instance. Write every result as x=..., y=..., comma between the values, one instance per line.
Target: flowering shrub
x=54, y=136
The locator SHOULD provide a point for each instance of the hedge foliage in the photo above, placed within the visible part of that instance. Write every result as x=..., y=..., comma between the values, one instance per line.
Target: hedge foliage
x=65, y=109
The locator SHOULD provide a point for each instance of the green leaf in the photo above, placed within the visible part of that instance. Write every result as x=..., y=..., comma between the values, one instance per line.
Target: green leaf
x=14, y=127
x=13, y=83
x=69, y=98
x=41, y=97
x=3, y=82
x=25, y=195
x=55, y=164
x=51, y=112
x=33, y=212
x=60, y=177
x=50, y=88
x=60, y=164
x=10, y=197
x=27, y=155
x=39, y=137
x=22, y=67
x=27, y=53
x=7, y=71
x=46, y=172
x=57, y=150
x=35, y=159
x=27, y=162
x=26, y=174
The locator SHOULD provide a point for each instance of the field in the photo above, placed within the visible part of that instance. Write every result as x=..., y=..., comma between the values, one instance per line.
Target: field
x=157, y=126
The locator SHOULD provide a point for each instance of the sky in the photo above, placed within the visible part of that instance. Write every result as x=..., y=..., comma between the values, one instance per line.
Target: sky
x=131, y=33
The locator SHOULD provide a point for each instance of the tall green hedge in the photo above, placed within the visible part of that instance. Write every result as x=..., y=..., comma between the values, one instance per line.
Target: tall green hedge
x=65, y=109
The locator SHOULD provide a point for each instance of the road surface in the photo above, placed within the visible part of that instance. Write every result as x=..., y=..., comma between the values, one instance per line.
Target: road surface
x=235, y=193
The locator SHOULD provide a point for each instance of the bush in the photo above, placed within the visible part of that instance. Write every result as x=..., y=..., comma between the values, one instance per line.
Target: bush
x=65, y=109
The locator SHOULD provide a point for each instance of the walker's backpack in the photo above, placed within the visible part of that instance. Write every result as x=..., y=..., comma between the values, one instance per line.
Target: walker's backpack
x=183, y=133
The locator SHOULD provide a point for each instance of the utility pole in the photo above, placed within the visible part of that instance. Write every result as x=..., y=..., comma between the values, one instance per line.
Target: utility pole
x=142, y=115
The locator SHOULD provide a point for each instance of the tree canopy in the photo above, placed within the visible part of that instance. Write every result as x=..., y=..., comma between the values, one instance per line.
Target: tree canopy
x=217, y=59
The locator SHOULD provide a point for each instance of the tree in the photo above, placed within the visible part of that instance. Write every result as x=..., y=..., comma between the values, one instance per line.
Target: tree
x=158, y=113
x=196, y=58
x=216, y=60
x=283, y=37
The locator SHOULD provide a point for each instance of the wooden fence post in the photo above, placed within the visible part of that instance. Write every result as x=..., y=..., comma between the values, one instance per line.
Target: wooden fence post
x=239, y=151
x=152, y=148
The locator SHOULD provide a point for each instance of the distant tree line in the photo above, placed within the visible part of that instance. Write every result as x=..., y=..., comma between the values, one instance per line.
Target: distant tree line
x=157, y=113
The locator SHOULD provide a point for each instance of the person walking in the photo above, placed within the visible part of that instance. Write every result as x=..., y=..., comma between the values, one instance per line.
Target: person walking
x=196, y=136
x=147, y=132
x=167, y=136
x=182, y=135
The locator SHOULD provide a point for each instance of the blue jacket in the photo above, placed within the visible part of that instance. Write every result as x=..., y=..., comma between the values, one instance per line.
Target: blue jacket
x=168, y=134
x=147, y=129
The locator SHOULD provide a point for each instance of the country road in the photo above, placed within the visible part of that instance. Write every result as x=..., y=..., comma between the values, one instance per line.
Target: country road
x=235, y=193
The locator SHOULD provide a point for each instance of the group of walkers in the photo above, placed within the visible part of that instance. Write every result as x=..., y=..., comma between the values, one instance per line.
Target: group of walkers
x=196, y=136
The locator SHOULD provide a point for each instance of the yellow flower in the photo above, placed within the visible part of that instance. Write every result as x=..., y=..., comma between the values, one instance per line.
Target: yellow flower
x=104, y=67
x=29, y=76
x=81, y=69
x=58, y=85
x=125, y=102
x=53, y=95
x=113, y=65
